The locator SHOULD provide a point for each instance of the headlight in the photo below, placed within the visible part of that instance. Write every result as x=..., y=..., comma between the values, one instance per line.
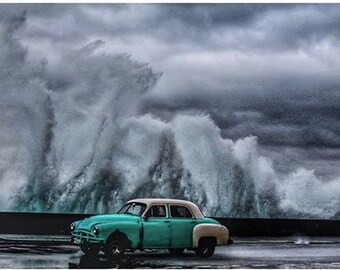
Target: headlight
x=72, y=226
x=95, y=230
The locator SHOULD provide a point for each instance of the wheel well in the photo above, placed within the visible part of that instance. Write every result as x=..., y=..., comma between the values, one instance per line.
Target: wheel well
x=211, y=241
x=121, y=236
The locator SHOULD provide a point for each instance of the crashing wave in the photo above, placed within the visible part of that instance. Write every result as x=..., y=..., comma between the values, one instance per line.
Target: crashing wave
x=74, y=139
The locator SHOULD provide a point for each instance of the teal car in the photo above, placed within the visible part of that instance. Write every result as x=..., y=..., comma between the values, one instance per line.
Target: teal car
x=142, y=224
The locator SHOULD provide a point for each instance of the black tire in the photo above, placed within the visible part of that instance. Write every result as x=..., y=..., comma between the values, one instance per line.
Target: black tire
x=205, y=248
x=115, y=247
x=88, y=249
x=176, y=251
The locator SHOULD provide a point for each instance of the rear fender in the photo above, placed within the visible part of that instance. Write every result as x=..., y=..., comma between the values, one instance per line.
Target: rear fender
x=217, y=231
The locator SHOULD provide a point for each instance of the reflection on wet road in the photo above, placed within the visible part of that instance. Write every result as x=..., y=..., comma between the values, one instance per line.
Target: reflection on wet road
x=245, y=253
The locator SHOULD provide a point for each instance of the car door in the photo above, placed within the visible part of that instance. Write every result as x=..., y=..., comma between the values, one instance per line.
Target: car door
x=182, y=223
x=156, y=227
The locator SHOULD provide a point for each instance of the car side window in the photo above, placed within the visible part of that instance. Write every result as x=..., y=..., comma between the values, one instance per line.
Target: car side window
x=180, y=211
x=156, y=211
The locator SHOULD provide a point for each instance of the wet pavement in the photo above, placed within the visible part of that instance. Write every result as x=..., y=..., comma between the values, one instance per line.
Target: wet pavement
x=296, y=252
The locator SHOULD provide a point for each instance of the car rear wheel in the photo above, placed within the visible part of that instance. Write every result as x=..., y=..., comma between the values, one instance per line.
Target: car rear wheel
x=176, y=251
x=206, y=248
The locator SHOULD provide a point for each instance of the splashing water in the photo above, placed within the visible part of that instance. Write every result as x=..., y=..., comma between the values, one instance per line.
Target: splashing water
x=73, y=139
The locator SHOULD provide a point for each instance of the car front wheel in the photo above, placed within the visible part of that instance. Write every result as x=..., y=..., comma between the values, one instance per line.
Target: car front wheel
x=115, y=248
x=205, y=249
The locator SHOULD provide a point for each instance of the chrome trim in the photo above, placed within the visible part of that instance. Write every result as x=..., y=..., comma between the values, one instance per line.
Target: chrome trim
x=82, y=235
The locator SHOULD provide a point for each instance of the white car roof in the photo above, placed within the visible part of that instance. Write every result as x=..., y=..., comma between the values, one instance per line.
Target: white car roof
x=193, y=207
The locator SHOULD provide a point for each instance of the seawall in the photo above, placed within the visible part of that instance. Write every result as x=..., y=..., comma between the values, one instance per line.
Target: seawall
x=58, y=224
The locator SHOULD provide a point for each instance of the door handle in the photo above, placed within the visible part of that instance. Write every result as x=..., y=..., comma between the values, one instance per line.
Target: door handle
x=166, y=221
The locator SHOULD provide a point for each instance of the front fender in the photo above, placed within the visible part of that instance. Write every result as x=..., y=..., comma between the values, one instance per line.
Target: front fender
x=131, y=230
x=218, y=231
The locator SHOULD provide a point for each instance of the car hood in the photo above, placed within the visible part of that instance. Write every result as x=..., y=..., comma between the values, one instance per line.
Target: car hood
x=87, y=223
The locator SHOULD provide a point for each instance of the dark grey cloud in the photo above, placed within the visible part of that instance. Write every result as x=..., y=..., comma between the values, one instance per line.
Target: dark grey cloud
x=305, y=118
x=255, y=26
x=289, y=21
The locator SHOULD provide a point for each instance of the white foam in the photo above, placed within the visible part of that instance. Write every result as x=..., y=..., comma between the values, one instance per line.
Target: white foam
x=85, y=145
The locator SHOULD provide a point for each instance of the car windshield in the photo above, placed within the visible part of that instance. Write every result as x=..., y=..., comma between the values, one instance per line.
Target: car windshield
x=134, y=208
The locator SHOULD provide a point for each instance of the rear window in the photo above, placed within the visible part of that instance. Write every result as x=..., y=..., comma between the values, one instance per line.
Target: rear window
x=180, y=211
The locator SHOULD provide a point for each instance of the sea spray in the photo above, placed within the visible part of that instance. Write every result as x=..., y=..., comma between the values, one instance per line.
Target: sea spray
x=74, y=139
x=24, y=110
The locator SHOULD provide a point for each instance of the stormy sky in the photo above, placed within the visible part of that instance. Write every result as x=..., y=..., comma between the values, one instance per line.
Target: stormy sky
x=266, y=70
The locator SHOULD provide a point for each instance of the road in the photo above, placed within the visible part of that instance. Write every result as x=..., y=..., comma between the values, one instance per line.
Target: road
x=244, y=253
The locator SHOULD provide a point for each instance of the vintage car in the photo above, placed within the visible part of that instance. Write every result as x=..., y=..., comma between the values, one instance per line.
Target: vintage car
x=142, y=224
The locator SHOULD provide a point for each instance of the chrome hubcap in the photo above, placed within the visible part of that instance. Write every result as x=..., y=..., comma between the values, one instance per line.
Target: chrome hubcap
x=115, y=247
